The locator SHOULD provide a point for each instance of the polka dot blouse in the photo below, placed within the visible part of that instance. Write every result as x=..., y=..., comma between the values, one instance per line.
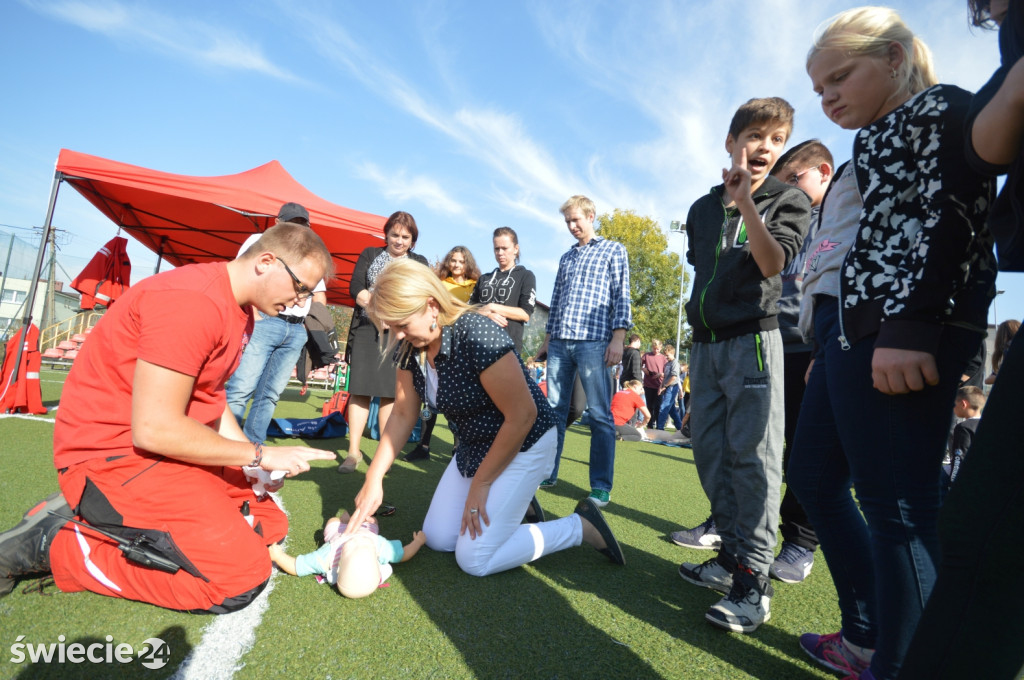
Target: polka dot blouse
x=468, y=347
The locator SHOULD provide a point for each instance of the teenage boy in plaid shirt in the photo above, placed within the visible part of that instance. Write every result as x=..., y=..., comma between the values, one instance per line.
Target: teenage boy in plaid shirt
x=590, y=314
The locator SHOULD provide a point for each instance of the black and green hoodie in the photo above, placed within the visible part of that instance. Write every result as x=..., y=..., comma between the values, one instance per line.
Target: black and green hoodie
x=730, y=297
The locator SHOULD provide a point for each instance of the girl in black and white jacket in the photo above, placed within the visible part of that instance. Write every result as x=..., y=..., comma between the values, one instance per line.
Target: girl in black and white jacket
x=895, y=330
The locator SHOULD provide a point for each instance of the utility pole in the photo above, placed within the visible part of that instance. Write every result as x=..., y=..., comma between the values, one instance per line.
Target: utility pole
x=3, y=283
x=49, y=311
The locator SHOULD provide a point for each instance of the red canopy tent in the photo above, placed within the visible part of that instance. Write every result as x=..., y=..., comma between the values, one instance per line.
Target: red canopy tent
x=186, y=219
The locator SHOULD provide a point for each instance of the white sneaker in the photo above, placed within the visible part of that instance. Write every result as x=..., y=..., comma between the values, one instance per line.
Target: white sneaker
x=746, y=606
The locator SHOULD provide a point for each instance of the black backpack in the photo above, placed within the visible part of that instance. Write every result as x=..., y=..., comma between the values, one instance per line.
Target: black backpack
x=322, y=344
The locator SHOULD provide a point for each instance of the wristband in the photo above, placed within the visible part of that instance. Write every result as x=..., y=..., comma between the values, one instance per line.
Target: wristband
x=259, y=455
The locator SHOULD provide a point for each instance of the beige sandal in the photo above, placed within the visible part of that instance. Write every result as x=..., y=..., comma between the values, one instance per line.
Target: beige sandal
x=349, y=465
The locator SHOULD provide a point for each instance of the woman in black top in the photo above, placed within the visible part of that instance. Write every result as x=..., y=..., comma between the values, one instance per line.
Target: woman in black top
x=464, y=366
x=369, y=376
x=509, y=293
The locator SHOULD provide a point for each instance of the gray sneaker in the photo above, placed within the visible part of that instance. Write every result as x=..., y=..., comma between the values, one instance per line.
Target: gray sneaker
x=746, y=606
x=25, y=549
x=710, y=574
x=793, y=564
x=704, y=536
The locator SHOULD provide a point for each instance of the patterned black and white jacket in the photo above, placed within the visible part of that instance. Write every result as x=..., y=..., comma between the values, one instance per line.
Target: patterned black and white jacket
x=923, y=255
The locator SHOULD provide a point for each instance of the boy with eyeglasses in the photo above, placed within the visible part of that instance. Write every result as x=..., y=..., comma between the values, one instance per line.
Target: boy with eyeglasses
x=808, y=166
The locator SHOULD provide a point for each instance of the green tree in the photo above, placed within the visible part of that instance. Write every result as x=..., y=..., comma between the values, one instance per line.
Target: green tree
x=653, y=274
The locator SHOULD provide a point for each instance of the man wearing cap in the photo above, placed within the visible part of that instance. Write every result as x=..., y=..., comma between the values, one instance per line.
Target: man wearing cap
x=273, y=350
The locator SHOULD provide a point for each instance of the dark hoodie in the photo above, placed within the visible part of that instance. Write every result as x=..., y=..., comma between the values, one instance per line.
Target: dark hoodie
x=730, y=297
x=1007, y=217
x=515, y=288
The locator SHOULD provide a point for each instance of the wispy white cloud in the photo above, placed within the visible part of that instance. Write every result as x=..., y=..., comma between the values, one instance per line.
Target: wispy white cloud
x=398, y=186
x=642, y=56
x=495, y=138
x=142, y=26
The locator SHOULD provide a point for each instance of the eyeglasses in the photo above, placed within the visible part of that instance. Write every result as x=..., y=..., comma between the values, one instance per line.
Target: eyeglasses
x=302, y=292
x=794, y=179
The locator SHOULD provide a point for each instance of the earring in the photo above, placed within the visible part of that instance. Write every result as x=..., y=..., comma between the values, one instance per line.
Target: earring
x=433, y=325
x=892, y=73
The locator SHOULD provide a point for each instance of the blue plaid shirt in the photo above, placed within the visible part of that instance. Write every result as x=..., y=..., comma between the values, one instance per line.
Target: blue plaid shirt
x=591, y=297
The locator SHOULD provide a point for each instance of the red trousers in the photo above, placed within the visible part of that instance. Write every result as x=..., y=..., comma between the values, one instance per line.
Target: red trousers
x=199, y=508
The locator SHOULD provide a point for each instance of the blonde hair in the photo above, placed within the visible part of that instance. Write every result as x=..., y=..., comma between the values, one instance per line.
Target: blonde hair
x=295, y=242
x=974, y=396
x=404, y=288
x=582, y=203
x=358, y=568
x=869, y=32
x=632, y=384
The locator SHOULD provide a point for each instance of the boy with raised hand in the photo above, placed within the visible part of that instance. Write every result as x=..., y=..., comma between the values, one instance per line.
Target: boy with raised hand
x=740, y=236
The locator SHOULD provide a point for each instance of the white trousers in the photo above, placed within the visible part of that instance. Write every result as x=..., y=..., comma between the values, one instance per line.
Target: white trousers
x=506, y=542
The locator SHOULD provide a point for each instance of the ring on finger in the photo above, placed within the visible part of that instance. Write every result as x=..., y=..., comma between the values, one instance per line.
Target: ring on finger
x=472, y=511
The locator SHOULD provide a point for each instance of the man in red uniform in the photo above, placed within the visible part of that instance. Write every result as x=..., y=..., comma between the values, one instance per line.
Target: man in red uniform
x=146, y=448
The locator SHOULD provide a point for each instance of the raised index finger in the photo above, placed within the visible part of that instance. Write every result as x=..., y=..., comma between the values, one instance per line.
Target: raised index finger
x=739, y=156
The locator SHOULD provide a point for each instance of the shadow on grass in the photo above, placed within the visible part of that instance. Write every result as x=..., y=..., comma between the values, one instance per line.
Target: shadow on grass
x=96, y=657
x=514, y=624
x=511, y=624
x=649, y=590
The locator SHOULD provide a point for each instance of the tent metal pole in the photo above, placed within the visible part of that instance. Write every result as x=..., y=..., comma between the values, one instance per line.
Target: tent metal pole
x=160, y=254
x=58, y=177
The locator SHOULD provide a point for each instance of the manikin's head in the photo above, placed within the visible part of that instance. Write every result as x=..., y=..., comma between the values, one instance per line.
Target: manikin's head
x=358, y=569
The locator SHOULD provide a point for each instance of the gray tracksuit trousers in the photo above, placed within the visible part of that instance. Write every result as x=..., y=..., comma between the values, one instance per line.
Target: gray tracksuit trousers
x=736, y=388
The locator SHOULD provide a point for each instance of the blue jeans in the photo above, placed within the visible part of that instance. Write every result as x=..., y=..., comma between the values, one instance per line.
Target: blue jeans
x=565, y=359
x=263, y=373
x=670, y=407
x=890, y=449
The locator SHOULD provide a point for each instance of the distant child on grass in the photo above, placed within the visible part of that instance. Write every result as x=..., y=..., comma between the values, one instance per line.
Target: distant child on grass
x=740, y=236
x=357, y=564
x=629, y=410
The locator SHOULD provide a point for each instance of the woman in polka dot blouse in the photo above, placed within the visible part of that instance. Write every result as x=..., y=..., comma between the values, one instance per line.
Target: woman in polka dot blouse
x=456, y=362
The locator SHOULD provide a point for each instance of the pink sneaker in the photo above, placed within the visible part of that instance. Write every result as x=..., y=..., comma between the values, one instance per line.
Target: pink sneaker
x=830, y=651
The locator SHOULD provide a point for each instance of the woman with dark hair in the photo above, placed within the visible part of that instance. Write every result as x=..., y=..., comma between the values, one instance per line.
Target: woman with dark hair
x=369, y=375
x=1005, y=332
x=509, y=292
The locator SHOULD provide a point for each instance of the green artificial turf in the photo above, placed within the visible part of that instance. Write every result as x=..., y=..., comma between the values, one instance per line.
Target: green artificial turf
x=569, y=615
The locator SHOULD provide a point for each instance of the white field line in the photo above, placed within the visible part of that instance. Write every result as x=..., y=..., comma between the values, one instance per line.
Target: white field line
x=25, y=416
x=228, y=637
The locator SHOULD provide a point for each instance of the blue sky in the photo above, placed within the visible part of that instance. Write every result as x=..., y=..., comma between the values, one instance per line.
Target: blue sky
x=469, y=115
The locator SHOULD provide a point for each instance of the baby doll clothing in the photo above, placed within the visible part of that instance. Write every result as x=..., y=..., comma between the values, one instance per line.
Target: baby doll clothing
x=324, y=561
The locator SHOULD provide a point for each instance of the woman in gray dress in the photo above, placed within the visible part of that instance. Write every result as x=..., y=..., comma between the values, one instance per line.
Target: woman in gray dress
x=369, y=376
